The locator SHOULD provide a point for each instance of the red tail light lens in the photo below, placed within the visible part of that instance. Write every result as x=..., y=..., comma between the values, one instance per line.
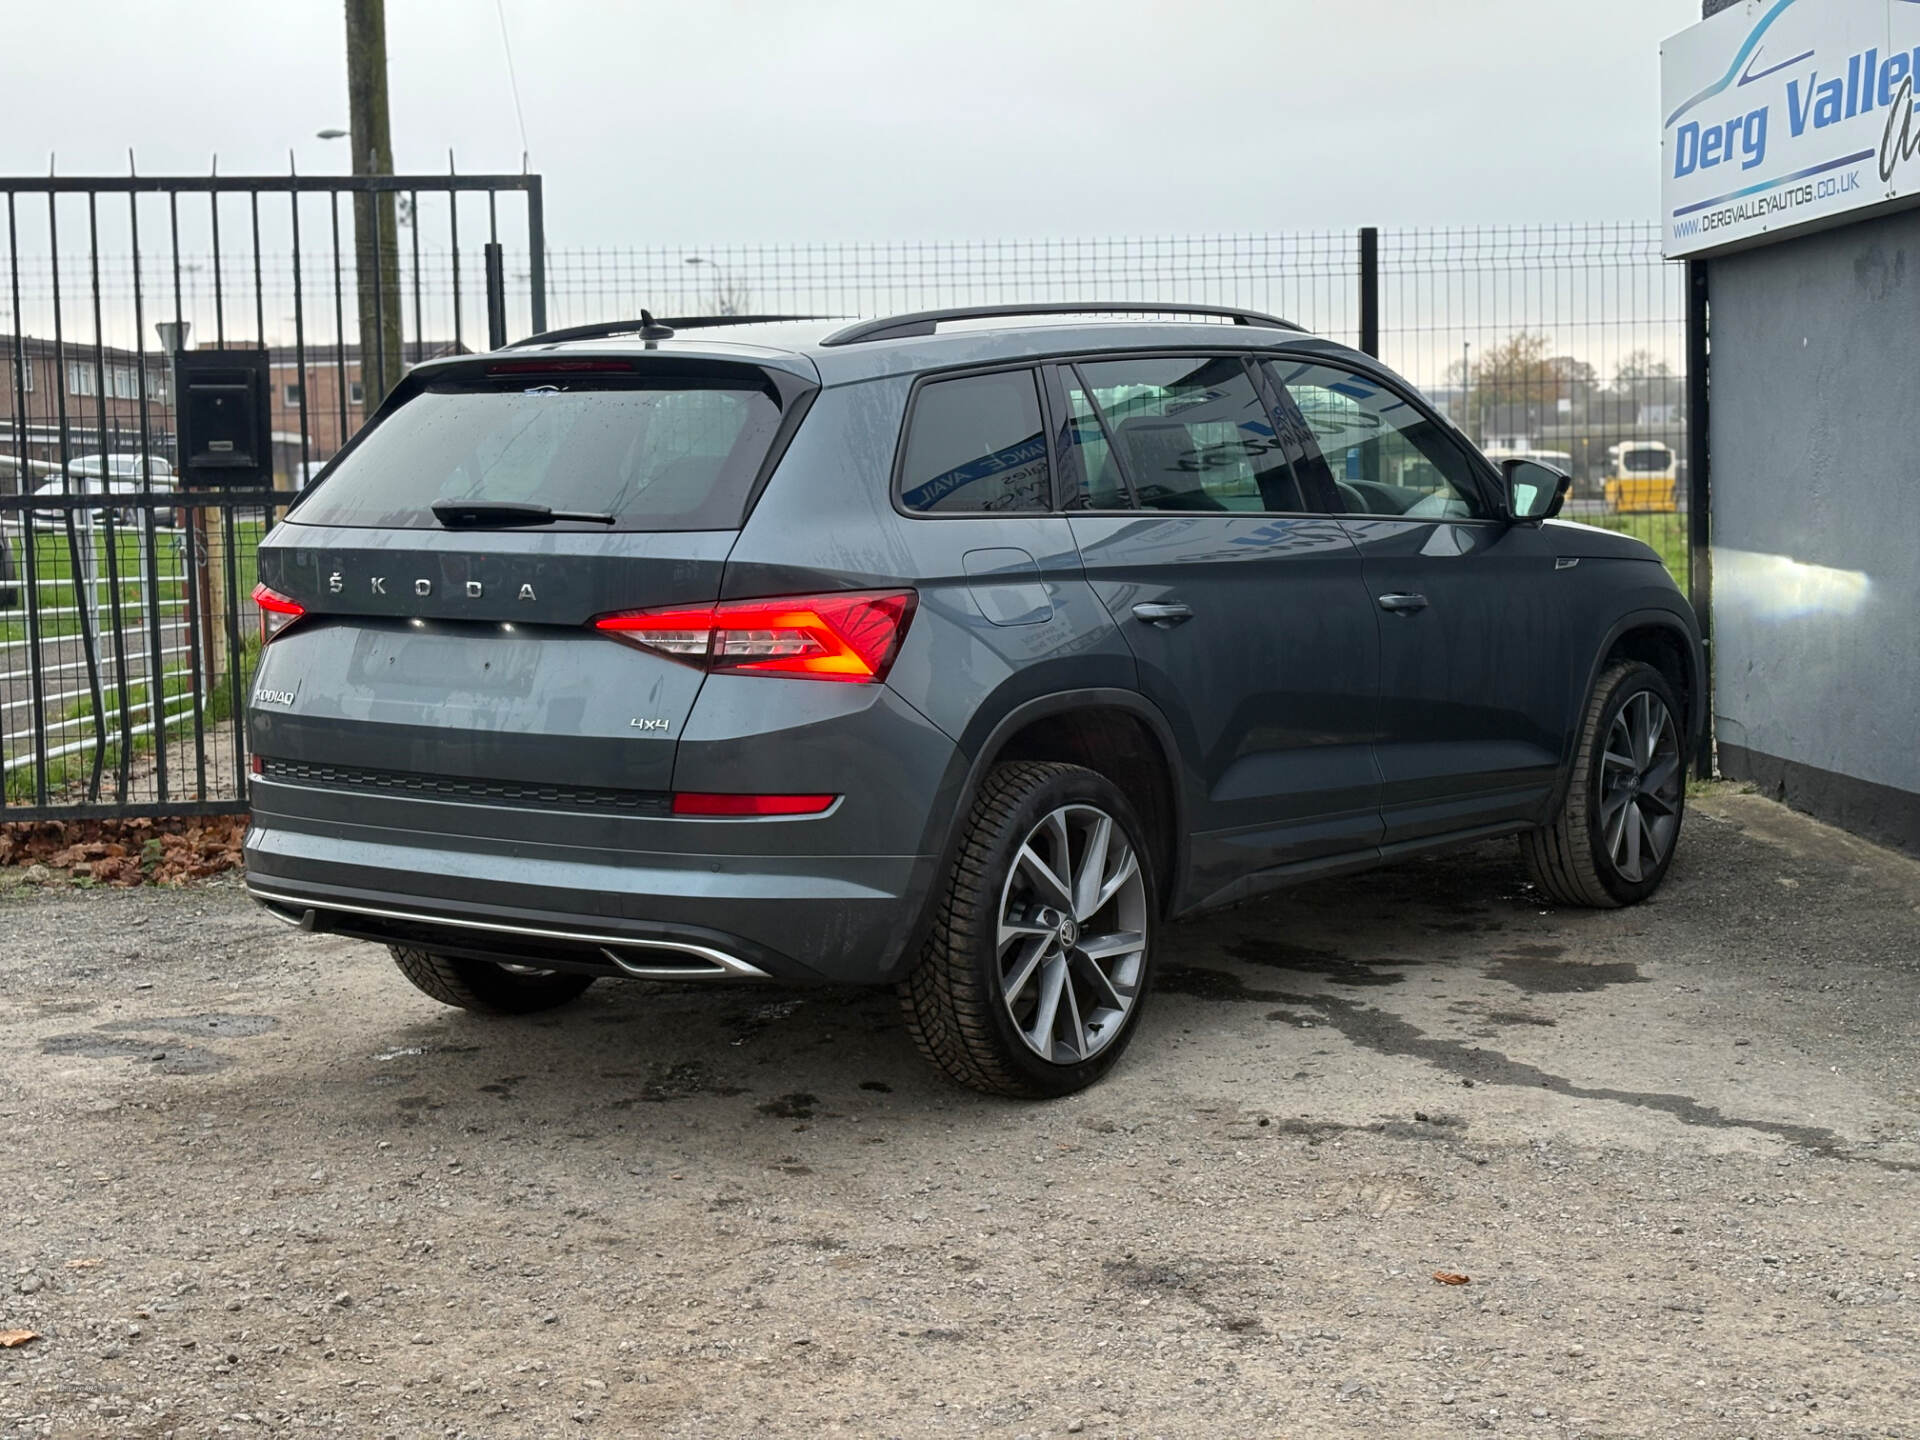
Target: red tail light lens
x=693, y=802
x=277, y=611
x=853, y=636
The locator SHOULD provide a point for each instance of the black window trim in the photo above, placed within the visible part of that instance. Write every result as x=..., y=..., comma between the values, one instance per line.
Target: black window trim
x=895, y=483
x=1071, y=368
x=1477, y=464
x=1249, y=359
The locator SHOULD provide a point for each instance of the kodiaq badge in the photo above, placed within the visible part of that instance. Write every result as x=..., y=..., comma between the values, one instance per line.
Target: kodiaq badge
x=423, y=587
x=526, y=592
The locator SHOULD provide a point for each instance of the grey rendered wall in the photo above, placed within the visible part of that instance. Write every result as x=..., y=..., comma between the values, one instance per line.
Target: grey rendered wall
x=1815, y=435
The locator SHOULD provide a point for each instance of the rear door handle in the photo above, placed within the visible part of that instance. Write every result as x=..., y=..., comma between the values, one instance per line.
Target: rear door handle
x=1405, y=604
x=1166, y=616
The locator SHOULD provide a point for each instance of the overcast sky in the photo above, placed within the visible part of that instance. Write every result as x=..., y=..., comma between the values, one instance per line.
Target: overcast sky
x=762, y=120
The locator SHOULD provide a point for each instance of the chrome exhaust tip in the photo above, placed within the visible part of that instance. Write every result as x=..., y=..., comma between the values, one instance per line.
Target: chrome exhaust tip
x=673, y=963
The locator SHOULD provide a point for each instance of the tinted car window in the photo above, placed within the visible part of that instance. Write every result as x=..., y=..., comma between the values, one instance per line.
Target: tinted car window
x=1191, y=433
x=1094, y=481
x=976, y=444
x=673, y=456
x=1385, y=456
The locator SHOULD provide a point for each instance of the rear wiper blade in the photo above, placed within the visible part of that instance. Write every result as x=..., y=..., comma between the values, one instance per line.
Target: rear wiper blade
x=487, y=514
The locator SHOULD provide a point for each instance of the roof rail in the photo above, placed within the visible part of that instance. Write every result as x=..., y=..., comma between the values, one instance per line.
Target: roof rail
x=605, y=328
x=922, y=322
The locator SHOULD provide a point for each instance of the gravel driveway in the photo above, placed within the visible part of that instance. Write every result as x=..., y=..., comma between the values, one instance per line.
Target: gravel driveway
x=254, y=1184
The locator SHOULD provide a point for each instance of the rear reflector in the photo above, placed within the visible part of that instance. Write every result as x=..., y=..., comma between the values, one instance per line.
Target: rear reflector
x=693, y=802
x=849, y=636
x=277, y=611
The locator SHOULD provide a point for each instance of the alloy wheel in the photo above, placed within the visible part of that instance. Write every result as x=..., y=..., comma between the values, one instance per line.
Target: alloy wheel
x=1072, y=937
x=1640, y=786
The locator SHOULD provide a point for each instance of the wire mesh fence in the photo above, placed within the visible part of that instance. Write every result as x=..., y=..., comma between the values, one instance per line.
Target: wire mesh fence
x=1564, y=342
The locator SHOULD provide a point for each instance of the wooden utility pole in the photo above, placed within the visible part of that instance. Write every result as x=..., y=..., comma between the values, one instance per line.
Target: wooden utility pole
x=376, y=236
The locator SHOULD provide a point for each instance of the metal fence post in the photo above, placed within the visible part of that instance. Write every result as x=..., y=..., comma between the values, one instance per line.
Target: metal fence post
x=536, y=256
x=496, y=295
x=1699, y=492
x=1370, y=290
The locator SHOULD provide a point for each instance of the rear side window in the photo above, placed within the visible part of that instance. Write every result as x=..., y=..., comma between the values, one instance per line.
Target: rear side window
x=1190, y=432
x=975, y=445
x=660, y=455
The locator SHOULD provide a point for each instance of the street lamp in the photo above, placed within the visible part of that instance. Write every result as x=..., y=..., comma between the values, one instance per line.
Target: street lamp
x=330, y=134
x=723, y=291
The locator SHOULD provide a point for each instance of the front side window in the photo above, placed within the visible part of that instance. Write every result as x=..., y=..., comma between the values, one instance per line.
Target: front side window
x=1187, y=432
x=1385, y=456
x=976, y=445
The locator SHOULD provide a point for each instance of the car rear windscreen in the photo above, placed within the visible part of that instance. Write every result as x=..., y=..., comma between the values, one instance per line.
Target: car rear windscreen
x=663, y=454
x=1645, y=462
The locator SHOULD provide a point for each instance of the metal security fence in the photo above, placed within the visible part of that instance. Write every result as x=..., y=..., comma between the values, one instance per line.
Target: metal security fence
x=127, y=635
x=1566, y=341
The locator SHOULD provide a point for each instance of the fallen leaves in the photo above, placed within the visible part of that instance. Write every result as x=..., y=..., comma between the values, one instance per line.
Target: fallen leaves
x=1452, y=1277
x=125, y=852
x=14, y=1339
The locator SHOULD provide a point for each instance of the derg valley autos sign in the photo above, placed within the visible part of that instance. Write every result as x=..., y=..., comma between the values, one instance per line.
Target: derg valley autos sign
x=1782, y=113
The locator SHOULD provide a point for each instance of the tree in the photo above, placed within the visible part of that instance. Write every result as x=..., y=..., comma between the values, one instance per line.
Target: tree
x=1640, y=365
x=1642, y=379
x=1516, y=373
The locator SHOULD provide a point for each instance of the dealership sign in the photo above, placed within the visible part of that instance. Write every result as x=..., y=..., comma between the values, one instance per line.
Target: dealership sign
x=1780, y=114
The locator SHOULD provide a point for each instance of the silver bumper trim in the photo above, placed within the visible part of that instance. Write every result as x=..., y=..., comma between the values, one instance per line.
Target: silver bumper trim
x=708, y=963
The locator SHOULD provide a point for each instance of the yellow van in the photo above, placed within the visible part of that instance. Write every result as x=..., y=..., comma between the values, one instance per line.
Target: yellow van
x=1642, y=475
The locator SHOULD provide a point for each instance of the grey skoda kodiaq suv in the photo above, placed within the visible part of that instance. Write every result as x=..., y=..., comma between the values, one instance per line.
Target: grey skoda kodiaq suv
x=958, y=657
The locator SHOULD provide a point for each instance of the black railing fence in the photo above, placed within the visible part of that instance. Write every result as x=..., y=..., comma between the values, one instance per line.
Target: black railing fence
x=127, y=636
x=1564, y=341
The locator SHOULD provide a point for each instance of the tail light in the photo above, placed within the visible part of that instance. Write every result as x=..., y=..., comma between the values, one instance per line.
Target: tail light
x=851, y=636
x=277, y=611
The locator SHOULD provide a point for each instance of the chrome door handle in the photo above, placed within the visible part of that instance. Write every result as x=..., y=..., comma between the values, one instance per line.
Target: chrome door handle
x=1403, y=604
x=1166, y=616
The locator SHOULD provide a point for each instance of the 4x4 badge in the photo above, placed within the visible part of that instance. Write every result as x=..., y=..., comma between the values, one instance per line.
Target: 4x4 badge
x=640, y=724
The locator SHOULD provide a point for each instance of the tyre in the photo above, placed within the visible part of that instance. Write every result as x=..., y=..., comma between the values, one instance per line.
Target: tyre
x=1039, y=962
x=485, y=986
x=1614, y=837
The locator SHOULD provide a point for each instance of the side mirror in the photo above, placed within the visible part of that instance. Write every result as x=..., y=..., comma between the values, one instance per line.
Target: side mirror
x=1535, y=492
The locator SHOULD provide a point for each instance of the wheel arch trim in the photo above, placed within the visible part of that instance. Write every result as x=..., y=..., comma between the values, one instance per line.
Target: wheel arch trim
x=982, y=756
x=1648, y=618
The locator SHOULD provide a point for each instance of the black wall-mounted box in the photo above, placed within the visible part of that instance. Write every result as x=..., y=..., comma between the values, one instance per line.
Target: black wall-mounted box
x=225, y=421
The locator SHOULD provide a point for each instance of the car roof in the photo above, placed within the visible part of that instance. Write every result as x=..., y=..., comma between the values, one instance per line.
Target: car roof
x=800, y=345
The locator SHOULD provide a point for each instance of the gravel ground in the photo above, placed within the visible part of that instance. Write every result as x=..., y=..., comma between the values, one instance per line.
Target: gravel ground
x=255, y=1184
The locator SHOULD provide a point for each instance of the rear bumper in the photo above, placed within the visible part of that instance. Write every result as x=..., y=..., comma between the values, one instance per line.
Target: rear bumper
x=843, y=919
